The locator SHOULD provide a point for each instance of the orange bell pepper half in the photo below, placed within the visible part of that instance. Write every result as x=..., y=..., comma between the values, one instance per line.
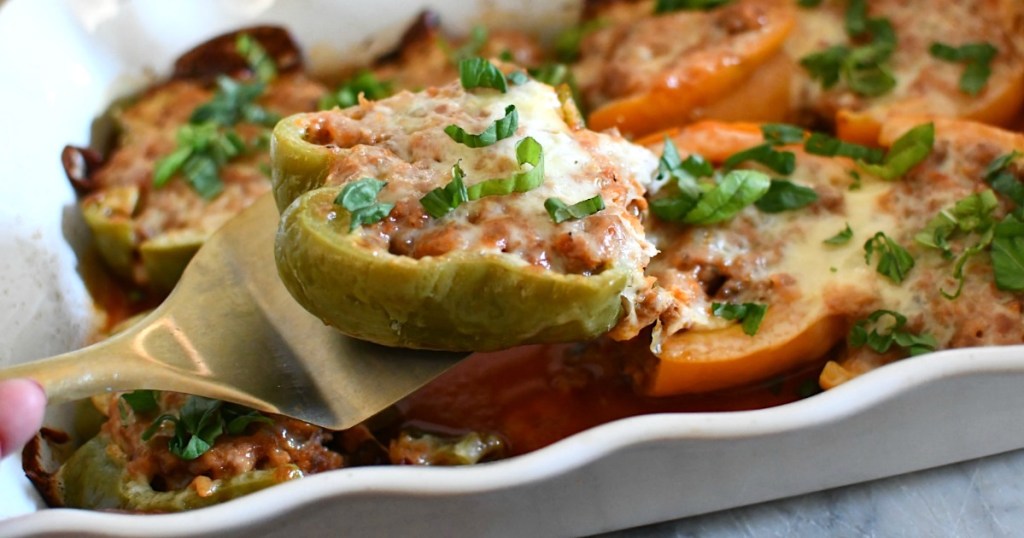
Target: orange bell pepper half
x=701, y=76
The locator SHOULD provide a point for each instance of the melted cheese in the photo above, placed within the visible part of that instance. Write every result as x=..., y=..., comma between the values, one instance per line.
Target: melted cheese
x=401, y=140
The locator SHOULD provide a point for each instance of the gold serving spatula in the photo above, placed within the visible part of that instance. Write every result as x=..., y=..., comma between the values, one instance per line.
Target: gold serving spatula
x=231, y=331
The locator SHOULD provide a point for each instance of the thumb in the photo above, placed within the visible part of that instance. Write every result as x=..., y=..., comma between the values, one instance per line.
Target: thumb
x=22, y=403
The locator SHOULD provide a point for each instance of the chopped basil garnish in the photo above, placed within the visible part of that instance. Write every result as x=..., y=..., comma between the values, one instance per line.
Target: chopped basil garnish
x=671, y=165
x=780, y=134
x=561, y=212
x=862, y=67
x=480, y=73
x=685, y=190
x=499, y=130
x=822, y=144
x=232, y=103
x=200, y=422
x=360, y=199
x=693, y=201
x=972, y=214
x=528, y=151
x=567, y=42
x=856, y=19
x=780, y=162
x=141, y=401
x=667, y=6
x=749, y=314
x=442, y=200
x=893, y=260
x=260, y=63
x=472, y=47
x=910, y=149
x=363, y=82
x=784, y=195
x=1008, y=254
x=842, y=237
x=882, y=337
x=1003, y=180
x=977, y=59
x=202, y=150
x=736, y=190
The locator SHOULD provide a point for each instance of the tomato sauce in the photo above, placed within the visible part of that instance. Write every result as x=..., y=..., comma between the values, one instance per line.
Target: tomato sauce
x=531, y=396
x=536, y=395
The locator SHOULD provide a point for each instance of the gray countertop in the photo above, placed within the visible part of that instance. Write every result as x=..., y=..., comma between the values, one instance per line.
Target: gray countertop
x=983, y=497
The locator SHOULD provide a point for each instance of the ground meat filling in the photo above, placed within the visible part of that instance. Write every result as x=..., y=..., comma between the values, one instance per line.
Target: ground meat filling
x=400, y=140
x=262, y=446
x=123, y=187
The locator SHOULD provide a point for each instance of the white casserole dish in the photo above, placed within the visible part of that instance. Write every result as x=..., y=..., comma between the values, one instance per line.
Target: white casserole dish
x=62, y=62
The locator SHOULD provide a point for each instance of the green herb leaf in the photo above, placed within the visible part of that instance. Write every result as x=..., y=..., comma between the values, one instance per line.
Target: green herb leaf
x=736, y=190
x=749, y=314
x=443, y=200
x=692, y=202
x=232, y=103
x=360, y=199
x=1002, y=179
x=781, y=162
x=472, y=47
x=202, y=150
x=528, y=151
x=260, y=63
x=856, y=19
x=141, y=401
x=671, y=165
x=198, y=426
x=667, y=6
x=826, y=66
x=165, y=168
x=499, y=130
x=785, y=195
x=863, y=67
x=822, y=144
x=883, y=335
x=207, y=143
x=843, y=237
x=200, y=422
x=972, y=214
x=1008, y=254
x=910, y=149
x=237, y=418
x=363, y=82
x=567, y=42
x=893, y=260
x=561, y=212
x=555, y=74
x=480, y=73
x=674, y=207
x=518, y=78
x=977, y=58
x=683, y=194
x=780, y=134
x=155, y=426
x=808, y=3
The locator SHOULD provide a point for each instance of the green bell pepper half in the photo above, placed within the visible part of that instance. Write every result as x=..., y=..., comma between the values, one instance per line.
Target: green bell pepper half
x=459, y=301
